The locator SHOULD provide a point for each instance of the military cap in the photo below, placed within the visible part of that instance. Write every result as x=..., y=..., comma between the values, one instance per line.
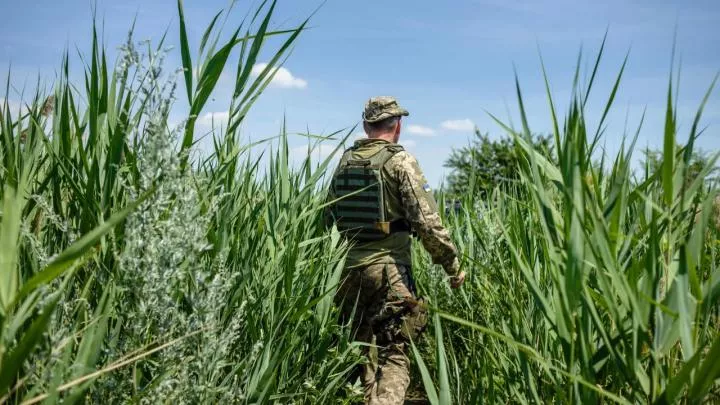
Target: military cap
x=380, y=108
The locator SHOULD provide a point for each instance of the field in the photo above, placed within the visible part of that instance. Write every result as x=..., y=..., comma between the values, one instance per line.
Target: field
x=134, y=270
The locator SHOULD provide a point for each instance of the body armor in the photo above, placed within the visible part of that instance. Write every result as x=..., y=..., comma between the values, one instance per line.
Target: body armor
x=360, y=209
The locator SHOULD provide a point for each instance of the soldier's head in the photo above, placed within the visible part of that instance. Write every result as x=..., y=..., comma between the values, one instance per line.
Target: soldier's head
x=382, y=118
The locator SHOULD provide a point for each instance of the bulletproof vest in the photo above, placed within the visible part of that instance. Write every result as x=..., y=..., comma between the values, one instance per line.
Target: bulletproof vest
x=360, y=211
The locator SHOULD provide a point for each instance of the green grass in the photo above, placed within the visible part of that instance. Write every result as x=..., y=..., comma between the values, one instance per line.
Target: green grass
x=132, y=272
x=587, y=283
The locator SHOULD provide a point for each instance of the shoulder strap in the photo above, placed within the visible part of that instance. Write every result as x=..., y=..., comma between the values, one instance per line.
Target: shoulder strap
x=386, y=154
x=346, y=156
x=377, y=160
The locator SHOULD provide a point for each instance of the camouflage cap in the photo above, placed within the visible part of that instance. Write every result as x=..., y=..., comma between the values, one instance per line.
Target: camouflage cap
x=380, y=108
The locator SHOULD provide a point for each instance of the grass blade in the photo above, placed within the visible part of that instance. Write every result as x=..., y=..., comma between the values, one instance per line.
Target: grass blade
x=185, y=52
x=9, y=234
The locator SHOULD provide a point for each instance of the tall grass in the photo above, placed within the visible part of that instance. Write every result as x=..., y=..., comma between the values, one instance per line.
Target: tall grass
x=133, y=271
x=588, y=283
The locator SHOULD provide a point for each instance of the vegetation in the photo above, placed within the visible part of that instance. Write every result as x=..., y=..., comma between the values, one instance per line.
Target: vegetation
x=488, y=163
x=614, y=278
x=698, y=161
x=130, y=275
x=133, y=272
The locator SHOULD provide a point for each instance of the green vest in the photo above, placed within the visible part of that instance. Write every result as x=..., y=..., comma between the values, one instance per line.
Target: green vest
x=361, y=210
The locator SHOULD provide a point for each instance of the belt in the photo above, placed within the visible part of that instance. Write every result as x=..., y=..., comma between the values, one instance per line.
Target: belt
x=400, y=225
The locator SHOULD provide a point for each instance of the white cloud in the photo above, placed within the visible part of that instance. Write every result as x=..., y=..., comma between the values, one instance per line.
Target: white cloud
x=458, y=125
x=420, y=130
x=218, y=117
x=408, y=143
x=211, y=121
x=15, y=107
x=283, y=78
x=317, y=154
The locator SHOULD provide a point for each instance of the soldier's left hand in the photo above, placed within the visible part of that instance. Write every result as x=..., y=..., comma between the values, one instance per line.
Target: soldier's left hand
x=457, y=281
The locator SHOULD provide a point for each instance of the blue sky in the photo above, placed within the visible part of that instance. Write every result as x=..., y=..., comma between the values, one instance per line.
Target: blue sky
x=448, y=62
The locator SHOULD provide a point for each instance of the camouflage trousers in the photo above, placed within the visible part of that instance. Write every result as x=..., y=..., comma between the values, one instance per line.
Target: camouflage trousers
x=385, y=314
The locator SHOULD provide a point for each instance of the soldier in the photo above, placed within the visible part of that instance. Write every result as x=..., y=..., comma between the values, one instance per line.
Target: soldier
x=381, y=198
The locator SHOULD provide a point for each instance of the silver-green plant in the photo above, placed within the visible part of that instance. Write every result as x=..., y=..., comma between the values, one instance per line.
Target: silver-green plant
x=193, y=280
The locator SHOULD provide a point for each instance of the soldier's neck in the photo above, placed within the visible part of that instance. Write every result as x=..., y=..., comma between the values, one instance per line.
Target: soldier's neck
x=390, y=137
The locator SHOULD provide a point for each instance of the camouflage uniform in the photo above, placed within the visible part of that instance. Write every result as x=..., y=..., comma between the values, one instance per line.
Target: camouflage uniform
x=378, y=291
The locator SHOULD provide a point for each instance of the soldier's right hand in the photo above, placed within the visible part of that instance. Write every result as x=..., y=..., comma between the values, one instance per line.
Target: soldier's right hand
x=457, y=281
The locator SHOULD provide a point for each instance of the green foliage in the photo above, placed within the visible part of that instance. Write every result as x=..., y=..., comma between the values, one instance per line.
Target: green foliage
x=699, y=160
x=586, y=285
x=132, y=273
x=488, y=163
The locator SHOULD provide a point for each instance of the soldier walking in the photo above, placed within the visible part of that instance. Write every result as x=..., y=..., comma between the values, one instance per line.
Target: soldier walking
x=382, y=198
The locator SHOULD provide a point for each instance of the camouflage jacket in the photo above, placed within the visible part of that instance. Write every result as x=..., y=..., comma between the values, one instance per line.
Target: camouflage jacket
x=408, y=194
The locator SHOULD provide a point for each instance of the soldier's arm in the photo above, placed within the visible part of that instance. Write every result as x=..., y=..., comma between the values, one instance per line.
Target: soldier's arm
x=422, y=212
